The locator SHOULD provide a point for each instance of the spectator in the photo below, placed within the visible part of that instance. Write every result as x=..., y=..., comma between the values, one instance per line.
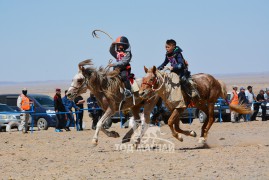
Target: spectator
x=242, y=100
x=251, y=99
x=79, y=116
x=234, y=101
x=266, y=95
x=59, y=108
x=94, y=110
x=261, y=103
x=68, y=104
x=24, y=104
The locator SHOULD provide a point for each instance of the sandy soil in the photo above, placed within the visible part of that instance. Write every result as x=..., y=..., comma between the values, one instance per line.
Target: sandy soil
x=235, y=151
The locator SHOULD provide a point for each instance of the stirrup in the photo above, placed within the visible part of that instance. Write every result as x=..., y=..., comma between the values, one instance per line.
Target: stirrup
x=127, y=93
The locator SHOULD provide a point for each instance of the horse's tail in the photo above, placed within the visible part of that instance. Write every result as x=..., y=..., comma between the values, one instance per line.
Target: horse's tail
x=223, y=93
x=241, y=109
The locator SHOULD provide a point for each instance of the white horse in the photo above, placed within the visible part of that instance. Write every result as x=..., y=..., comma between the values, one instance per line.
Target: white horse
x=107, y=88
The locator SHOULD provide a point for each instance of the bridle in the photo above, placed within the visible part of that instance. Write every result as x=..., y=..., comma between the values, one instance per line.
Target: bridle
x=155, y=83
x=85, y=82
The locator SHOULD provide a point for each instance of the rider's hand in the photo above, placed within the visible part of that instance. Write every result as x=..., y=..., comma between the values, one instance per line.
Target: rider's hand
x=171, y=68
x=111, y=65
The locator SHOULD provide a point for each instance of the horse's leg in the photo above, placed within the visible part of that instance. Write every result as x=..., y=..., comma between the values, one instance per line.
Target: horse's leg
x=208, y=122
x=171, y=122
x=133, y=124
x=146, y=119
x=177, y=128
x=210, y=119
x=99, y=127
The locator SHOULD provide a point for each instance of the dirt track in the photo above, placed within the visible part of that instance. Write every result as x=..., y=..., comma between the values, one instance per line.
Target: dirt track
x=235, y=151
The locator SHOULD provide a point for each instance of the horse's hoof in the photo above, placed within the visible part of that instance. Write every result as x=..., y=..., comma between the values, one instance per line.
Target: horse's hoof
x=114, y=134
x=94, y=142
x=178, y=137
x=193, y=133
x=202, y=140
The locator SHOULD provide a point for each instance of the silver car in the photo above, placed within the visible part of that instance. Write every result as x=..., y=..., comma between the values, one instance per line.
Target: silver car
x=9, y=119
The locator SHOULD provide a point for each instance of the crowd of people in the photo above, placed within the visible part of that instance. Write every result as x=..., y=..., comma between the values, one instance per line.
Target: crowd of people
x=248, y=98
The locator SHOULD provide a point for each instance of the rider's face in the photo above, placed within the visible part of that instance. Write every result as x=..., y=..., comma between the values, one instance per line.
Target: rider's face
x=169, y=48
x=120, y=47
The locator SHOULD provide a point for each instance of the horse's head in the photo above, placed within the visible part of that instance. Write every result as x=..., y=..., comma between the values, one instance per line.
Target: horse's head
x=149, y=83
x=80, y=80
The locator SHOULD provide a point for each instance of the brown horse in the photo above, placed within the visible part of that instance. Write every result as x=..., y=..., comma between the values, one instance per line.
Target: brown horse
x=209, y=90
x=107, y=88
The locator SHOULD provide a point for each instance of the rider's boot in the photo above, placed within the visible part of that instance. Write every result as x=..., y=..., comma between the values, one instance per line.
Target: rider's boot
x=127, y=93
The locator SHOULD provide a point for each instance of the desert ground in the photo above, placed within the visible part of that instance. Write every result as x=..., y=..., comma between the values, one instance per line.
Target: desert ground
x=233, y=151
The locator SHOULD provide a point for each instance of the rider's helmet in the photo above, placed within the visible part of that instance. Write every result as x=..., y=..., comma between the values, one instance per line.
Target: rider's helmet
x=123, y=41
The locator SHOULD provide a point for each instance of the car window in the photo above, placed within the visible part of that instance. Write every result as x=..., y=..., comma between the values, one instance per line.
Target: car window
x=44, y=100
x=4, y=108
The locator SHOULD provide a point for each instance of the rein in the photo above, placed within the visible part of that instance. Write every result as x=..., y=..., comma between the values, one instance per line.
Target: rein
x=155, y=82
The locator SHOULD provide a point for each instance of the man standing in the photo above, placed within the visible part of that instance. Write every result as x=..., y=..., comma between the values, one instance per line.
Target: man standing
x=94, y=110
x=234, y=101
x=68, y=104
x=79, y=116
x=59, y=108
x=242, y=100
x=261, y=102
x=251, y=99
x=24, y=103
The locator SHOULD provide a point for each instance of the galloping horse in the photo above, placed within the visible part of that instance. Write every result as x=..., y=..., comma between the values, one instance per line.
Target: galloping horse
x=106, y=87
x=209, y=90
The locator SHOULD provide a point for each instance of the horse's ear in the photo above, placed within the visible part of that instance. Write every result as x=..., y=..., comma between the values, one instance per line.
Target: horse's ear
x=154, y=69
x=145, y=69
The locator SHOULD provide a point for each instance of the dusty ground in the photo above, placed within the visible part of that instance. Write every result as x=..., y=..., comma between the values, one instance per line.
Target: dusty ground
x=236, y=151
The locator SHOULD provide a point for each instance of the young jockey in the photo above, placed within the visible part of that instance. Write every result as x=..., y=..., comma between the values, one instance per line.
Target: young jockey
x=121, y=51
x=178, y=65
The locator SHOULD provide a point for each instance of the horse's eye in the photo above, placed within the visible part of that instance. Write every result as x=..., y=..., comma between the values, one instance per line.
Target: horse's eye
x=80, y=80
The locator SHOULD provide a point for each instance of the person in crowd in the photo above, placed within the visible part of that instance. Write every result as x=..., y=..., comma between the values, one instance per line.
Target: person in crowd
x=242, y=100
x=24, y=104
x=179, y=66
x=59, y=108
x=68, y=104
x=234, y=101
x=251, y=99
x=79, y=116
x=261, y=103
x=266, y=95
x=95, y=112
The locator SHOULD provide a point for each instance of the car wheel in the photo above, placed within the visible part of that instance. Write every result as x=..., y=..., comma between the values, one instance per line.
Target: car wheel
x=12, y=125
x=202, y=116
x=42, y=124
x=226, y=118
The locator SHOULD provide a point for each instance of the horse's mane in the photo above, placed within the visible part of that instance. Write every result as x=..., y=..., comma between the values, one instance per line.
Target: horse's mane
x=104, y=80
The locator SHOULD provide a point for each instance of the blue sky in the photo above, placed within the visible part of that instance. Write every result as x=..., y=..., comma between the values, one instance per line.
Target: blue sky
x=45, y=40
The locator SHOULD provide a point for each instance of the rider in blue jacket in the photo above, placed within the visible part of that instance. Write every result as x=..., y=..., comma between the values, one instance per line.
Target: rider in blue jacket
x=179, y=66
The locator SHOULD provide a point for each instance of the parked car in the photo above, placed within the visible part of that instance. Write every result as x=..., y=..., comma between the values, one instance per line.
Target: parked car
x=42, y=104
x=221, y=110
x=9, y=119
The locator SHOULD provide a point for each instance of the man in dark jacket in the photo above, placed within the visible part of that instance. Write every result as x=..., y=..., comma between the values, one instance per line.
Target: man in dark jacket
x=79, y=116
x=179, y=66
x=59, y=108
x=95, y=112
x=121, y=51
x=242, y=100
